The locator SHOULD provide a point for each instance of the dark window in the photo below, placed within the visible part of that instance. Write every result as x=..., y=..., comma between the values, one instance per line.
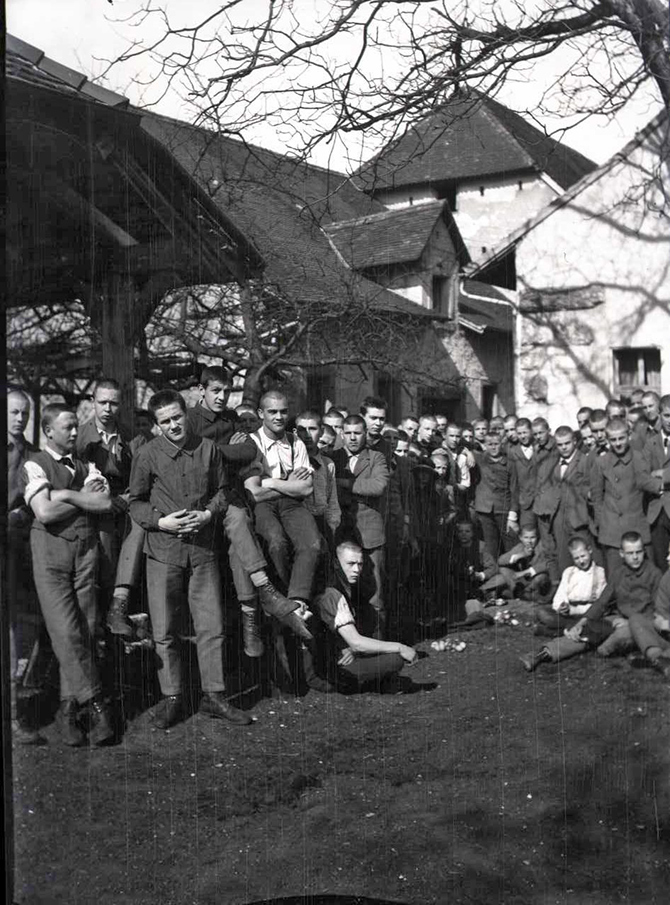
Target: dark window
x=637, y=367
x=441, y=294
x=441, y=405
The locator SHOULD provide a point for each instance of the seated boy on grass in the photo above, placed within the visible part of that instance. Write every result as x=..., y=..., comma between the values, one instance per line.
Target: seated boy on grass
x=354, y=660
x=581, y=585
x=651, y=631
x=524, y=568
x=631, y=591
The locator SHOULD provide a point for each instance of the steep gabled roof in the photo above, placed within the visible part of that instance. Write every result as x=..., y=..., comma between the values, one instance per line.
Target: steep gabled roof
x=659, y=124
x=471, y=136
x=283, y=205
x=398, y=236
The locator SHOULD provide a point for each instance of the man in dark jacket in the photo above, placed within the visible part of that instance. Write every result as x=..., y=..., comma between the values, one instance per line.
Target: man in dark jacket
x=496, y=497
x=561, y=501
x=362, y=477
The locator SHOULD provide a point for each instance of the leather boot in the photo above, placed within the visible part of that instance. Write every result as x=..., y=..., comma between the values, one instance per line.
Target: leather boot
x=214, y=704
x=531, y=661
x=117, y=619
x=167, y=712
x=251, y=632
x=283, y=609
x=101, y=730
x=67, y=721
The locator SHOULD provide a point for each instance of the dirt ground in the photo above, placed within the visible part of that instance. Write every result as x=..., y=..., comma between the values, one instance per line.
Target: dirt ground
x=494, y=786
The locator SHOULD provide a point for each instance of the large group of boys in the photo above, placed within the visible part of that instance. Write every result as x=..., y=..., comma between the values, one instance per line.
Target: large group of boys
x=327, y=534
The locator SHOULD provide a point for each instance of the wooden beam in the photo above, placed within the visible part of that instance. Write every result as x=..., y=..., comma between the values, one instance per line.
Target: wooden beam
x=118, y=344
x=65, y=196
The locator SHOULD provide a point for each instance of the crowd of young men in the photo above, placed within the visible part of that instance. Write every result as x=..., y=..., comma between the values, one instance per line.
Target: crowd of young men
x=344, y=530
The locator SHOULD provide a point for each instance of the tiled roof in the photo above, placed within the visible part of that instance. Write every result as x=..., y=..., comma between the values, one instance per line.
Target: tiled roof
x=26, y=63
x=394, y=236
x=469, y=137
x=283, y=206
x=482, y=307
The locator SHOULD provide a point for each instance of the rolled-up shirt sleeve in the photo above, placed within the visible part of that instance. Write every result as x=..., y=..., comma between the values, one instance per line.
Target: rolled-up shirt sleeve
x=35, y=480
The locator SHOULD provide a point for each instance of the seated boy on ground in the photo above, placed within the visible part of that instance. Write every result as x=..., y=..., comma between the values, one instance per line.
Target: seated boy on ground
x=473, y=577
x=651, y=632
x=524, y=568
x=355, y=660
x=581, y=585
x=631, y=589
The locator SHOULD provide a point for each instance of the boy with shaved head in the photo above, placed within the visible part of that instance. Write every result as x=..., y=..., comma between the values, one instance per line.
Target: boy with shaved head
x=619, y=479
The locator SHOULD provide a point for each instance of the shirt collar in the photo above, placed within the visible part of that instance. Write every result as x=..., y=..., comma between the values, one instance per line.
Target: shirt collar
x=206, y=413
x=103, y=430
x=58, y=456
x=173, y=450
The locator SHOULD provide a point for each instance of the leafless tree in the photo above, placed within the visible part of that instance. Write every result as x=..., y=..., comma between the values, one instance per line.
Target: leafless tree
x=319, y=71
x=263, y=337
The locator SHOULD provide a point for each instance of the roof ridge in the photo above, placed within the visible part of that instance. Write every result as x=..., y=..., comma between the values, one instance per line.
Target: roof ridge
x=379, y=215
x=243, y=142
x=508, y=131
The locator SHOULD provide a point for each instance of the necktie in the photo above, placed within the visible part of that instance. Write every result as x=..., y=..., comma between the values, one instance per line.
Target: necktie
x=66, y=460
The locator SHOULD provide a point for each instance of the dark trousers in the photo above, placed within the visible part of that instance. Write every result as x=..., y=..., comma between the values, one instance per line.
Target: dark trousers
x=289, y=530
x=65, y=574
x=377, y=559
x=660, y=540
x=166, y=584
x=646, y=633
x=129, y=563
x=371, y=668
x=549, y=546
x=244, y=552
x=494, y=532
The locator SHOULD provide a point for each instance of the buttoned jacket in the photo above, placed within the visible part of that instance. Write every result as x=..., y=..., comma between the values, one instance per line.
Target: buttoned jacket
x=498, y=488
x=618, y=485
x=658, y=459
x=361, y=494
x=113, y=464
x=526, y=473
x=569, y=492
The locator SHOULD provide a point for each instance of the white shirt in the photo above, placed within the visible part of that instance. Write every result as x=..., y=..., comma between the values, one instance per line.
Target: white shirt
x=37, y=479
x=527, y=450
x=579, y=587
x=280, y=457
x=351, y=464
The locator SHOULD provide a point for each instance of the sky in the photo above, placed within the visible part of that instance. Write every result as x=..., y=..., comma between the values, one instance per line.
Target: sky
x=82, y=34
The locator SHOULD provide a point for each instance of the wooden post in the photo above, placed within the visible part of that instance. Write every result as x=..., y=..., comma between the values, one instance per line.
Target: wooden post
x=118, y=341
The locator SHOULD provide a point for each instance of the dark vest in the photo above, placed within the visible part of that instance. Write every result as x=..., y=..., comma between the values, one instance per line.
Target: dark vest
x=79, y=524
